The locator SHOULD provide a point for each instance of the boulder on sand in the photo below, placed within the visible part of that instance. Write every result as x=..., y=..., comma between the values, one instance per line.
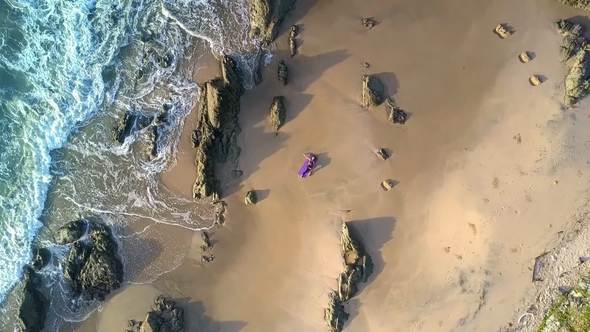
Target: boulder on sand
x=395, y=114
x=215, y=138
x=503, y=31
x=92, y=266
x=165, y=316
x=292, y=40
x=535, y=80
x=34, y=305
x=278, y=112
x=525, y=57
x=373, y=91
x=266, y=17
x=358, y=265
x=250, y=198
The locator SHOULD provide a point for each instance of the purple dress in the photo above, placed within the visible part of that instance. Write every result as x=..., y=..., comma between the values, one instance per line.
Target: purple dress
x=307, y=167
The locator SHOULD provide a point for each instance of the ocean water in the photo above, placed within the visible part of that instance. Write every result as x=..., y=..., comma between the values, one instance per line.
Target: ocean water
x=68, y=71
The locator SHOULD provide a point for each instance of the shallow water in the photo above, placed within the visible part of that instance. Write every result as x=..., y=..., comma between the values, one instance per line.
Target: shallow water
x=68, y=71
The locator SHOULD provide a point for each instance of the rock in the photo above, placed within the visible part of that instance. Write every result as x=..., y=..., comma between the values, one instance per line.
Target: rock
x=575, y=53
x=35, y=305
x=382, y=153
x=524, y=57
x=368, y=22
x=92, y=265
x=395, y=114
x=195, y=138
x=219, y=215
x=366, y=65
x=266, y=17
x=582, y=4
x=538, y=267
x=283, y=73
x=128, y=124
x=250, y=198
x=358, y=265
x=71, y=231
x=278, y=113
x=215, y=137
x=206, y=241
x=292, y=40
x=503, y=31
x=372, y=91
x=207, y=258
x=388, y=184
x=165, y=316
x=41, y=257
x=334, y=314
x=536, y=80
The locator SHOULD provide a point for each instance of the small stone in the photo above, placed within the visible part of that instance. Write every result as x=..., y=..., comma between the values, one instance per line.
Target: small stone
x=366, y=65
x=503, y=31
x=382, y=153
x=535, y=80
x=250, y=198
x=388, y=184
x=368, y=22
x=524, y=57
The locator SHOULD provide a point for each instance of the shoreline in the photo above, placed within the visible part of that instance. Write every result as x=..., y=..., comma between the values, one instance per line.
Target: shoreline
x=472, y=204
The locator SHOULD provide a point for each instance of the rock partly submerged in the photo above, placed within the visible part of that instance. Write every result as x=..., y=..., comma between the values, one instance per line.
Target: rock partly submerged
x=575, y=54
x=358, y=266
x=215, y=138
x=34, y=304
x=266, y=17
x=165, y=316
x=92, y=266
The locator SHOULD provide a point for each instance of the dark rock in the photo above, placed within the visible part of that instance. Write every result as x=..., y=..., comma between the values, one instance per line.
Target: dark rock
x=195, y=138
x=278, y=113
x=215, y=137
x=382, y=153
x=34, y=306
x=165, y=316
x=128, y=124
x=71, y=231
x=537, y=269
x=292, y=40
x=575, y=51
x=250, y=198
x=206, y=241
x=41, y=257
x=395, y=114
x=373, y=91
x=93, y=266
x=334, y=315
x=207, y=258
x=283, y=73
x=266, y=17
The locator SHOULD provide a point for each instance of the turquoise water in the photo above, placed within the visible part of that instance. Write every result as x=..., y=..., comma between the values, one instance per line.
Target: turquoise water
x=68, y=70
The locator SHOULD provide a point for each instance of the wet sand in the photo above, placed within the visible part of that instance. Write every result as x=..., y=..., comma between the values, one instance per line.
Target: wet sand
x=489, y=170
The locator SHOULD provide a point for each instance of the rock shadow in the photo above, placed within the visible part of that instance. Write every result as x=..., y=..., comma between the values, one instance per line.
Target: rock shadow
x=196, y=319
x=584, y=21
x=373, y=234
x=390, y=83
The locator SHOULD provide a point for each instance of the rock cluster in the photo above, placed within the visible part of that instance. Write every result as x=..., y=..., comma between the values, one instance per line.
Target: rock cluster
x=215, y=138
x=278, y=113
x=132, y=122
x=92, y=266
x=357, y=268
x=373, y=91
x=165, y=316
x=266, y=17
x=575, y=53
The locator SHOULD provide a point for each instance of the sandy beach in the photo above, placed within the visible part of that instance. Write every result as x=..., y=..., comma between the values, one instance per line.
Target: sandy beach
x=489, y=170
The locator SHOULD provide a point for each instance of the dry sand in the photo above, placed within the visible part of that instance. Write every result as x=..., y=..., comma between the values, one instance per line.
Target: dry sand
x=490, y=169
